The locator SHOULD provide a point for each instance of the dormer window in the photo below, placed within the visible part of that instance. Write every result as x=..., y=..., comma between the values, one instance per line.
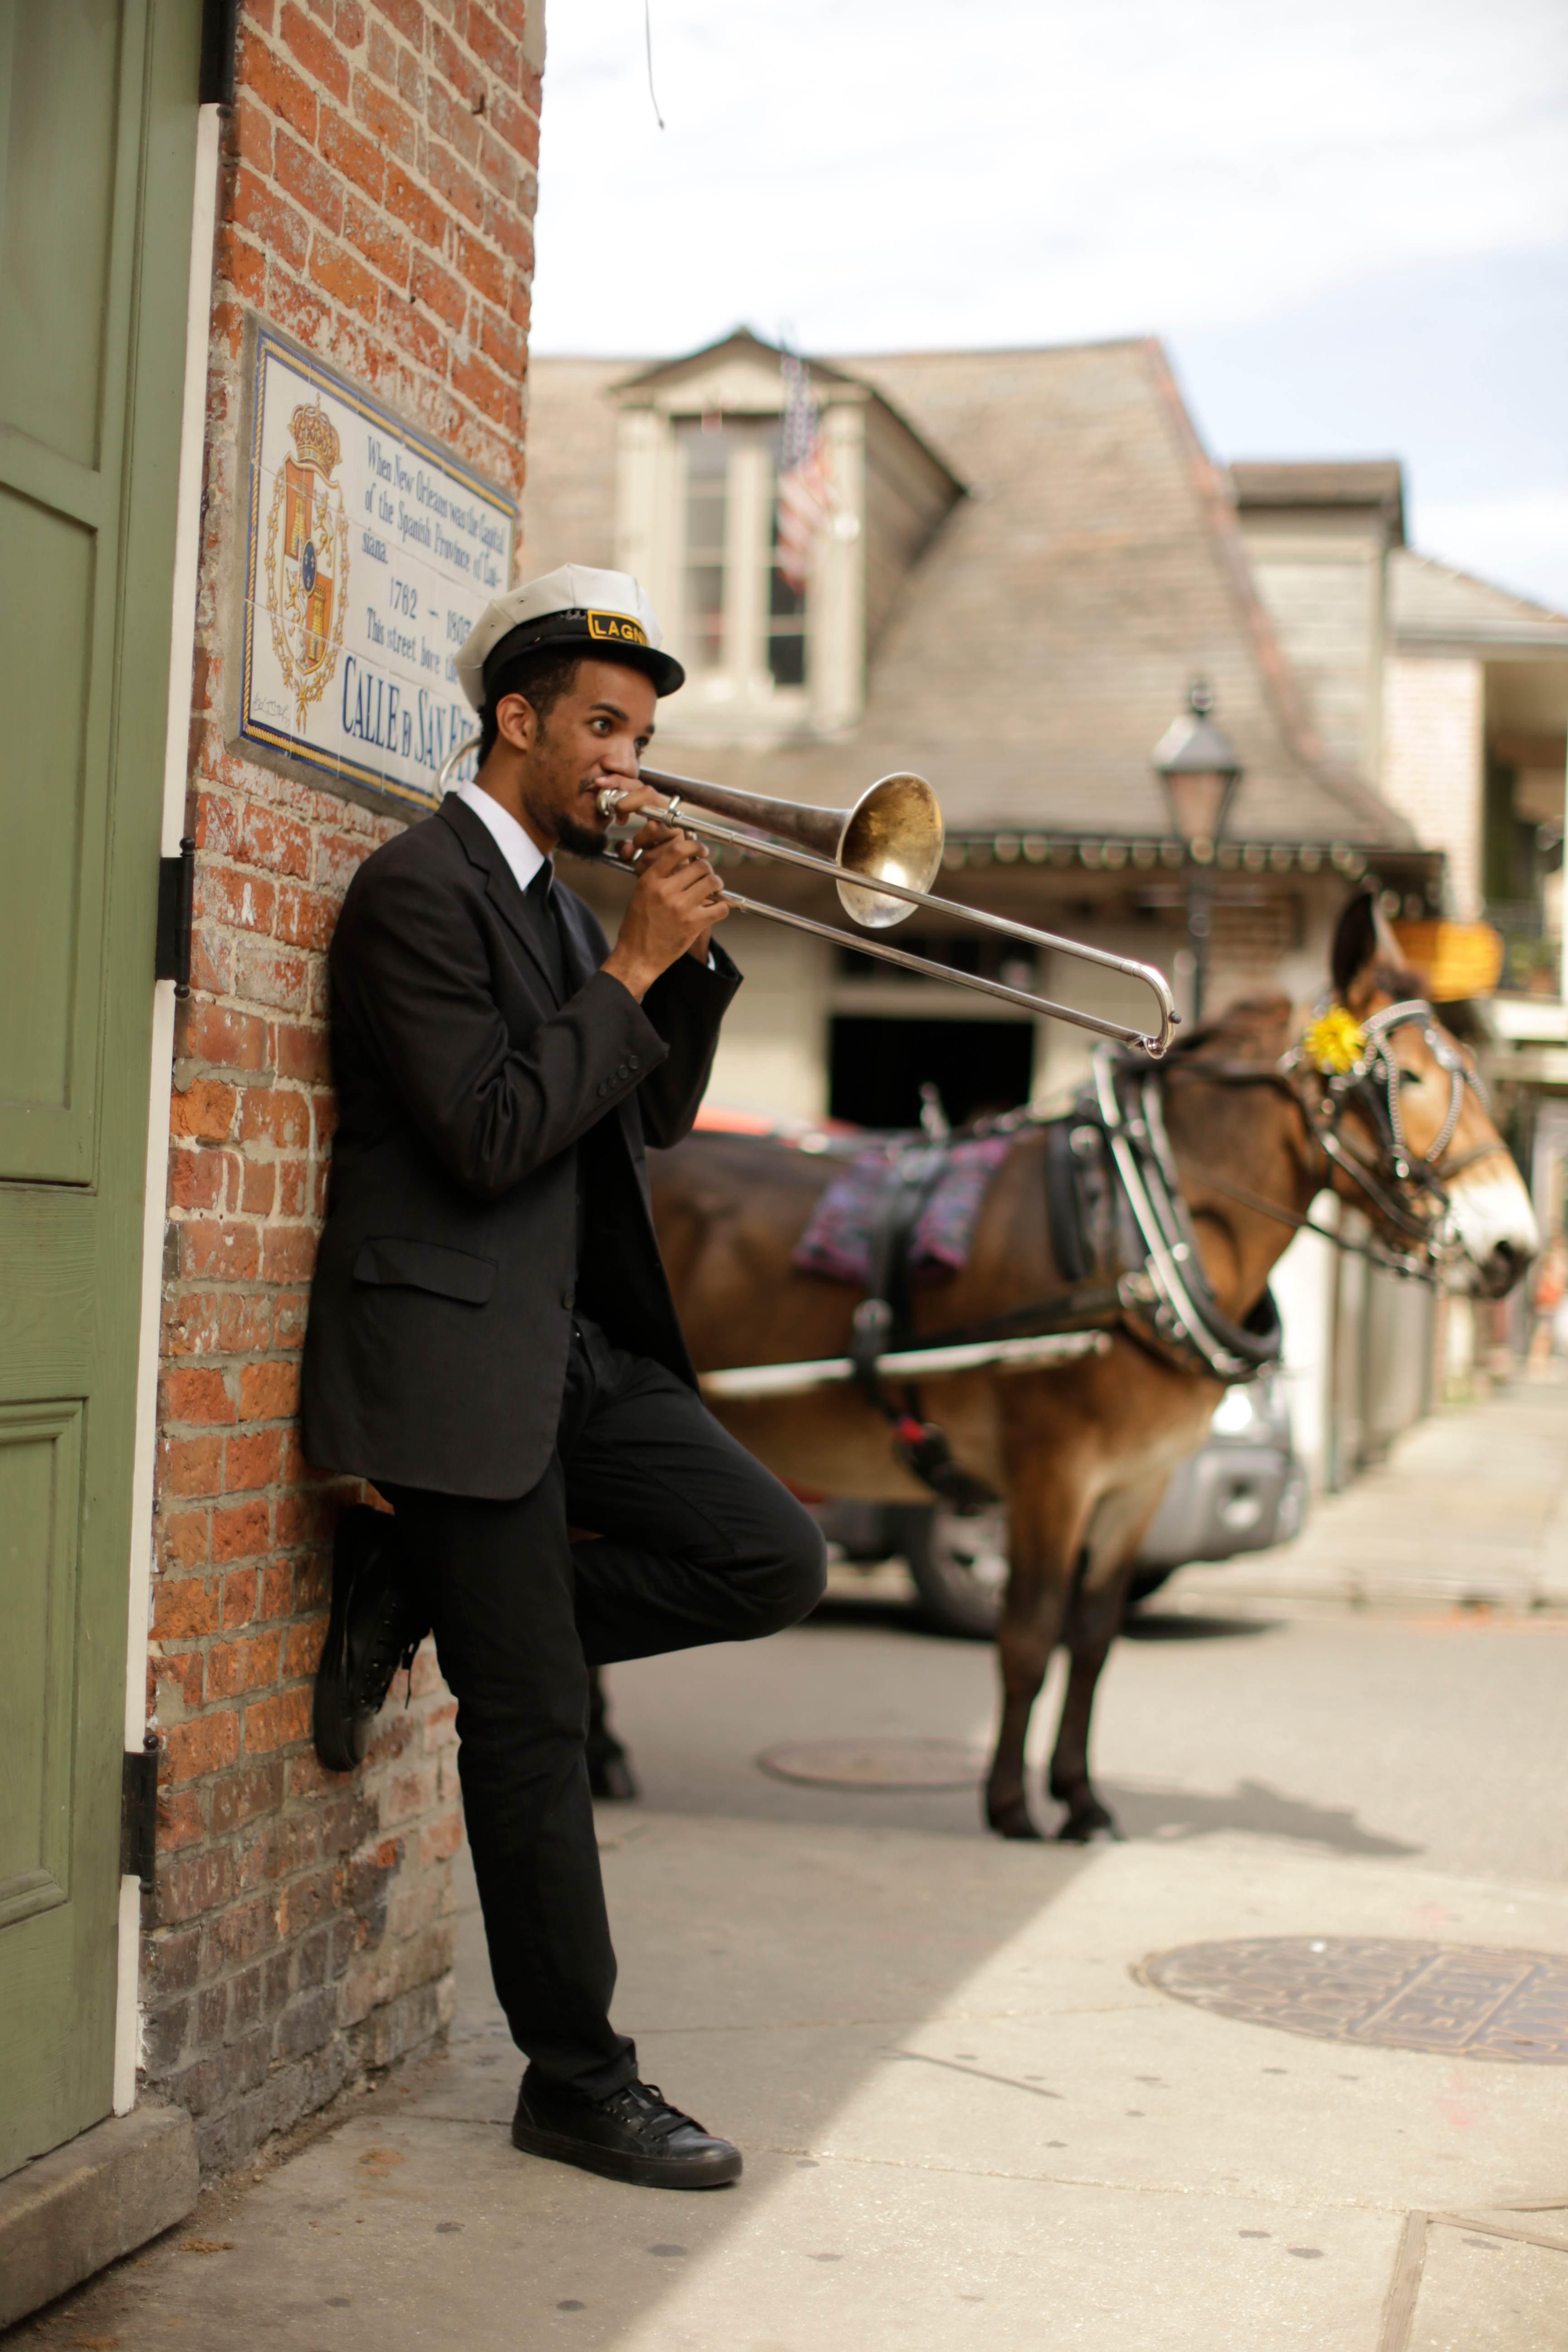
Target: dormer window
x=769, y=653
x=743, y=625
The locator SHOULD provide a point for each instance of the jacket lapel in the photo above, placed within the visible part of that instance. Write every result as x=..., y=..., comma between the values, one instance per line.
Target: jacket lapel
x=501, y=884
x=581, y=963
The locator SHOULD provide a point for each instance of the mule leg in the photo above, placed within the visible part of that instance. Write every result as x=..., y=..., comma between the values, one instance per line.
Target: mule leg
x=1045, y=1542
x=1093, y=1622
x=610, y=1773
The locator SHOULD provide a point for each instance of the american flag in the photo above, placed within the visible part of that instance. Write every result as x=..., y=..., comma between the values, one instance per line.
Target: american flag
x=806, y=494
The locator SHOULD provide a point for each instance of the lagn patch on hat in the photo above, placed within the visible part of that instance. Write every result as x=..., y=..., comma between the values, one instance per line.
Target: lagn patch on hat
x=618, y=626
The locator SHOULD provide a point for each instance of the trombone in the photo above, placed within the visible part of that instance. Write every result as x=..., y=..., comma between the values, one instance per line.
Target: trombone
x=883, y=855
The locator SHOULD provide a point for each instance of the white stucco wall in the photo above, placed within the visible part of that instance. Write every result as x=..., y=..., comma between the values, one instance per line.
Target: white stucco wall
x=1434, y=761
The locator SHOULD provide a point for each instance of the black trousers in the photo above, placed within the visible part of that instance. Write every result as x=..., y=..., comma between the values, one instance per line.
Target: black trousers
x=693, y=1541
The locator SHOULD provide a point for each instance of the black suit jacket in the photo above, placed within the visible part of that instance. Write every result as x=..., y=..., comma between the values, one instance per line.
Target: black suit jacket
x=470, y=1104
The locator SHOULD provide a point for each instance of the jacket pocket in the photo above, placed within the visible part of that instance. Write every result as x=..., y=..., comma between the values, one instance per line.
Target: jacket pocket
x=398, y=1264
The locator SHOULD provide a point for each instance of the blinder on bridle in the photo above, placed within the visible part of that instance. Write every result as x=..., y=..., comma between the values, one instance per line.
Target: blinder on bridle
x=1373, y=1085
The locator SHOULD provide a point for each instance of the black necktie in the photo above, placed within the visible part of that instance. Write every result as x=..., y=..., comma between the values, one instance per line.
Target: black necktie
x=539, y=899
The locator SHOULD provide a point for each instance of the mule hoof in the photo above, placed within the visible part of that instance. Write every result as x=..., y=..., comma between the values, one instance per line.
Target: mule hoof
x=1091, y=1825
x=1013, y=1821
x=611, y=1778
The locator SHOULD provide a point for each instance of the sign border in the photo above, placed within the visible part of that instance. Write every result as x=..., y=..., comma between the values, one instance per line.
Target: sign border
x=332, y=767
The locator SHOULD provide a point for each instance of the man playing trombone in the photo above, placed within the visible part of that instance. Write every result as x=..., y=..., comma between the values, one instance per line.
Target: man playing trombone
x=493, y=1340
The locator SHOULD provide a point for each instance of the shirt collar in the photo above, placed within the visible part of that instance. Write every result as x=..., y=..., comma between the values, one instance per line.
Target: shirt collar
x=521, y=852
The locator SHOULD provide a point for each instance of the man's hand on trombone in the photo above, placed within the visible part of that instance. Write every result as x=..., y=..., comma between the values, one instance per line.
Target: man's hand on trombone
x=677, y=898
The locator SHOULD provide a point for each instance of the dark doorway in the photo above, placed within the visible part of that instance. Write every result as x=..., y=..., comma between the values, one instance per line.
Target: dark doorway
x=877, y=1067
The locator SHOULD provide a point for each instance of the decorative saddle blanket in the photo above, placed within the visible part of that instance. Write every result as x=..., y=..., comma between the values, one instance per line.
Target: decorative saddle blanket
x=840, y=1241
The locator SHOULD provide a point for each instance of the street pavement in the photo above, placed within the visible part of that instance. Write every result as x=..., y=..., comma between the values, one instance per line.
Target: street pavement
x=967, y=2119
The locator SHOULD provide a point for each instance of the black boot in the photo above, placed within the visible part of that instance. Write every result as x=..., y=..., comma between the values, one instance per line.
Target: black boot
x=634, y=2135
x=376, y=1626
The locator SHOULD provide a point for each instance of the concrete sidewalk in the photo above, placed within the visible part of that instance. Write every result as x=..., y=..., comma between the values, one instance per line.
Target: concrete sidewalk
x=1470, y=1509
x=966, y=2118
x=965, y=2122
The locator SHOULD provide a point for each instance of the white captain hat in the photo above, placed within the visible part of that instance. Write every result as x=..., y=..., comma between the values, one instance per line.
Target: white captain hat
x=574, y=607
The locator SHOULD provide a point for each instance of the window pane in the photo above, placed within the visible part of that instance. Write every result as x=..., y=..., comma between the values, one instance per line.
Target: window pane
x=786, y=615
x=706, y=455
x=787, y=660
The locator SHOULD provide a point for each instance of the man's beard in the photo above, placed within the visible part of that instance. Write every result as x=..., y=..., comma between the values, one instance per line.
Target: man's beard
x=578, y=838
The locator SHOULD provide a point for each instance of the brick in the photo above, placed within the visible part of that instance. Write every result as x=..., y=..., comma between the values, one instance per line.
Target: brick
x=304, y=1052
x=483, y=269
x=315, y=49
x=303, y=1648
x=191, y=1885
x=268, y=1392
x=241, y=1531
x=289, y=1311
x=288, y=1253
x=277, y=1722
x=250, y=133
x=275, y=1597
x=242, y=900
x=438, y=290
x=246, y=1794
x=184, y=1608
x=239, y=1588
x=512, y=230
x=262, y=216
x=386, y=121
x=200, y=1396
x=205, y=1109
x=190, y=1465
x=243, y=1933
x=516, y=124
x=258, y=1179
x=214, y=1250
x=457, y=66
x=191, y=1323
x=273, y=81
x=277, y=1115
x=268, y=974
x=211, y=961
x=412, y=86
x=494, y=47
x=206, y=1744
x=244, y=1664
x=505, y=344
x=439, y=1841
x=302, y=175
x=217, y=826
x=476, y=380
x=386, y=248
x=348, y=23
x=406, y=200
x=359, y=159
x=293, y=1188
x=194, y=1179
x=408, y=16
x=279, y=844
x=501, y=169
x=424, y=342
x=171, y=1962
x=458, y=186
x=305, y=1901
x=305, y=918
x=252, y=1460
x=216, y=1035
x=381, y=54
x=340, y=274
x=182, y=1540
x=180, y=1821
x=245, y=1323
x=176, y=1685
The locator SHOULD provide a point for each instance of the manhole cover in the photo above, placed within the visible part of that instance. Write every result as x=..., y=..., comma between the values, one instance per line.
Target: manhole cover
x=875, y=1763
x=1464, y=2000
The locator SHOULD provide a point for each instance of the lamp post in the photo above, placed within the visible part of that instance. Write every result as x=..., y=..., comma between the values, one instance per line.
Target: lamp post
x=1199, y=771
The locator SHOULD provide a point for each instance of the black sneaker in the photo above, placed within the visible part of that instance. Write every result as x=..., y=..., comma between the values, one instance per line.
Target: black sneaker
x=376, y=1626
x=634, y=2135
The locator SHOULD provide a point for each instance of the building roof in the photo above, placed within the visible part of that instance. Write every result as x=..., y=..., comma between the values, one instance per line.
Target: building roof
x=1048, y=635
x=1433, y=608
x=1324, y=482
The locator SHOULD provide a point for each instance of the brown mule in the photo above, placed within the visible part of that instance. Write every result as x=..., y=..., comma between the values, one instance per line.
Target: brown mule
x=1082, y=1452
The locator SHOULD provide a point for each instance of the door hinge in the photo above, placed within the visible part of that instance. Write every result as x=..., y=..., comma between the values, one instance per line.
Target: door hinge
x=176, y=908
x=139, y=1811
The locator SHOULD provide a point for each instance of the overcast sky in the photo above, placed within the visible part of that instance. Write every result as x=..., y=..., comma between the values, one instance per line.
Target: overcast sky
x=1348, y=219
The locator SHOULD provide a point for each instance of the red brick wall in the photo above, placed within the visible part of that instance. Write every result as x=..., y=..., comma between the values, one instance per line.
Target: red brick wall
x=376, y=201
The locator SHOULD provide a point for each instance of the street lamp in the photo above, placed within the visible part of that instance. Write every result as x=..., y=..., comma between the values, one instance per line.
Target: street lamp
x=1199, y=771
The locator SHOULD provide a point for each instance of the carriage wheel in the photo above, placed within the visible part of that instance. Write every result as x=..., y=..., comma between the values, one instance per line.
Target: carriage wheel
x=958, y=1560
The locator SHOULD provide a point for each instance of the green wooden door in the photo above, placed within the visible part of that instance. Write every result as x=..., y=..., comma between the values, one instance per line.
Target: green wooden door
x=98, y=116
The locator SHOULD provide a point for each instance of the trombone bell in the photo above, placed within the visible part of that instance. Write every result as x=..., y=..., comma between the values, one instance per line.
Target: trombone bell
x=893, y=834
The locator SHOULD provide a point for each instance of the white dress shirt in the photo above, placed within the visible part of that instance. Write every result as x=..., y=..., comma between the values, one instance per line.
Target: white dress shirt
x=519, y=849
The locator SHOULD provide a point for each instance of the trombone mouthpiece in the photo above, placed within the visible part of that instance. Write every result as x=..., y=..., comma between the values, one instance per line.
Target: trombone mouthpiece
x=609, y=800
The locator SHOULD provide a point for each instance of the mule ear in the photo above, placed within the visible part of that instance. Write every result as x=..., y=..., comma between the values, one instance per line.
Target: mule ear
x=1362, y=940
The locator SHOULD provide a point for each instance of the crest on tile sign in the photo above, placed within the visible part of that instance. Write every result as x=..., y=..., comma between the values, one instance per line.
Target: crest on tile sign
x=308, y=560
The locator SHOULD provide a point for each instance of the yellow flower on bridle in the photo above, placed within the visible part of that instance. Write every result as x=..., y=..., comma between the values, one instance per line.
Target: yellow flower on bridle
x=1335, y=1043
